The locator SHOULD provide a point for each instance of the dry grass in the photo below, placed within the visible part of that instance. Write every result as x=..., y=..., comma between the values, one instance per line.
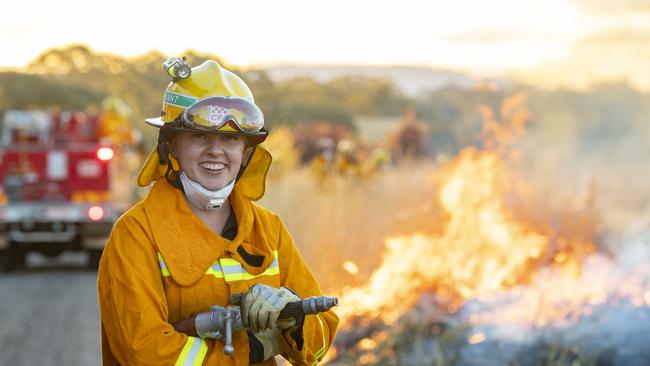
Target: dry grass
x=339, y=218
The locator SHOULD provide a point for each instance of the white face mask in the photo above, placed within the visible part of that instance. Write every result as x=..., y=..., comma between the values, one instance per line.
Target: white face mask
x=202, y=198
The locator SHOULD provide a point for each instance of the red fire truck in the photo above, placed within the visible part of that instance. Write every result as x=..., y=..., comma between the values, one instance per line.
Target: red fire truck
x=63, y=183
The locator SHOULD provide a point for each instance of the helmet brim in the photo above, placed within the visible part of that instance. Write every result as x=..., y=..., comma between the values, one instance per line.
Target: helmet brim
x=155, y=121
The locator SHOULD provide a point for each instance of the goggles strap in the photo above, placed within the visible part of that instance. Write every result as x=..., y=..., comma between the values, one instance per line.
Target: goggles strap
x=164, y=136
x=249, y=155
x=173, y=181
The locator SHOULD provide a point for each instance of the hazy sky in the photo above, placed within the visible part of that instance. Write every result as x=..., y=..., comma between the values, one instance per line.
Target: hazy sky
x=473, y=35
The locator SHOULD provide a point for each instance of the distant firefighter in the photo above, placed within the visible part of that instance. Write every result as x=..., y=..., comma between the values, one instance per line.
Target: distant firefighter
x=376, y=161
x=114, y=122
x=410, y=140
x=323, y=162
x=347, y=162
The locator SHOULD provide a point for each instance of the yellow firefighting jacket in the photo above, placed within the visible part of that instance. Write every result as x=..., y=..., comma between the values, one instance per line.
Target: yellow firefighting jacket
x=162, y=264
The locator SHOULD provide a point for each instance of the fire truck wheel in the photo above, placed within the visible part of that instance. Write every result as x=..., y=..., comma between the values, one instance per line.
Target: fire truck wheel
x=12, y=259
x=93, y=258
x=4, y=260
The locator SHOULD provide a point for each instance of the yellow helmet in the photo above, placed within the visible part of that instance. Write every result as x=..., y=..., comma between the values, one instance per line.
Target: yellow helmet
x=116, y=105
x=211, y=98
x=206, y=98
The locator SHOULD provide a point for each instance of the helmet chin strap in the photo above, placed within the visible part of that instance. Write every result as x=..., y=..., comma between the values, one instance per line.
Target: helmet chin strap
x=202, y=198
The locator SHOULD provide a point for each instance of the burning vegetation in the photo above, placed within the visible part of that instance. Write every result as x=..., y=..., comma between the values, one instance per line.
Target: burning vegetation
x=479, y=268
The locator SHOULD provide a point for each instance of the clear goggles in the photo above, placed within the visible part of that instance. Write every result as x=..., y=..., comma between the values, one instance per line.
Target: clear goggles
x=213, y=113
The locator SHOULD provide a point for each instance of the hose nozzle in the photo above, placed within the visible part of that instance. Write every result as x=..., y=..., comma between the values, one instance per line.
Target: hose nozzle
x=315, y=305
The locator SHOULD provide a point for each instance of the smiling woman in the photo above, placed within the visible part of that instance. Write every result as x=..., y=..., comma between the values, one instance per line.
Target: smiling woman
x=174, y=260
x=211, y=160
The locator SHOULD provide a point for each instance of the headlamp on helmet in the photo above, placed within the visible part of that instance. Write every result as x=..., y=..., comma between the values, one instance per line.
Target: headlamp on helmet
x=177, y=68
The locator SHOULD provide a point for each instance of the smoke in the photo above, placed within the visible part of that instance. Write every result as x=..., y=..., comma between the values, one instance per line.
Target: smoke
x=609, y=328
x=595, y=144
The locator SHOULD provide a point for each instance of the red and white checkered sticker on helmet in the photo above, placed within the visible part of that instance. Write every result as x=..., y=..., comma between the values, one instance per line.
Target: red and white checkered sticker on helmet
x=216, y=113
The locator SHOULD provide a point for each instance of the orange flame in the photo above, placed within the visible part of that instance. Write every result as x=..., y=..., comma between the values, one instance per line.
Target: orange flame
x=481, y=248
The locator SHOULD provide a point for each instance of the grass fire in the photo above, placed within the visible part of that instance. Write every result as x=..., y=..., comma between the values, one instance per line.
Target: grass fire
x=464, y=261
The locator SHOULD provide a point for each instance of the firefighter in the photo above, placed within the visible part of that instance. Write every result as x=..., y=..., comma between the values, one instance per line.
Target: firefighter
x=347, y=163
x=114, y=122
x=377, y=160
x=321, y=164
x=197, y=237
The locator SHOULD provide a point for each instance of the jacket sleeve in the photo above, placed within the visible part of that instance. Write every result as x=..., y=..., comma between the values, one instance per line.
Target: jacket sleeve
x=133, y=308
x=309, y=344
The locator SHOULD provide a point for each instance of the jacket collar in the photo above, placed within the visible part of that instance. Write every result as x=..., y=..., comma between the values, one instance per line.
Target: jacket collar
x=188, y=246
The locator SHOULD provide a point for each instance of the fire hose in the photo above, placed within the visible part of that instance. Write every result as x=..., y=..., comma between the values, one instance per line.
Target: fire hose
x=229, y=319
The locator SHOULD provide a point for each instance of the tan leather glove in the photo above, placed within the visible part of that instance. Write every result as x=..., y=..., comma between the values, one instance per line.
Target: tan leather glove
x=261, y=306
x=270, y=341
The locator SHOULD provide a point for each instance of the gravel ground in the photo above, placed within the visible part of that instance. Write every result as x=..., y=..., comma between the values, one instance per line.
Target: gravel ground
x=49, y=313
